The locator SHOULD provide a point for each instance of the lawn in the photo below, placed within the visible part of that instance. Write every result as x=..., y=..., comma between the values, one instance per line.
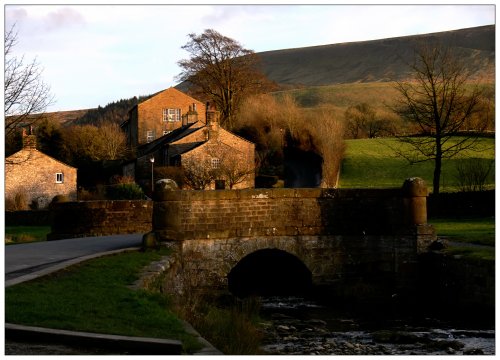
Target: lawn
x=94, y=297
x=468, y=233
x=23, y=234
x=480, y=231
x=374, y=163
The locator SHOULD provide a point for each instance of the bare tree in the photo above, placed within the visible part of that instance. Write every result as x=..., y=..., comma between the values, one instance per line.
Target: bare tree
x=439, y=100
x=198, y=172
x=26, y=95
x=362, y=121
x=221, y=69
x=114, y=141
x=233, y=166
x=89, y=143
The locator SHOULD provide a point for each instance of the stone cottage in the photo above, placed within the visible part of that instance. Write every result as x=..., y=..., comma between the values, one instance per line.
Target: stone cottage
x=38, y=176
x=161, y=114
x=204, y=150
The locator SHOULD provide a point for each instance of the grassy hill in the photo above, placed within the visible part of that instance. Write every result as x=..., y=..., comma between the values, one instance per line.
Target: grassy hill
x=373, y=163
x=376, y=61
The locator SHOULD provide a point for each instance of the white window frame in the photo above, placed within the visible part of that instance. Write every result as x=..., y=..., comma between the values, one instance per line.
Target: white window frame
x=215, y=163
x=171, y=115
x=166, y=132
x=150, y=135
x=59, y=178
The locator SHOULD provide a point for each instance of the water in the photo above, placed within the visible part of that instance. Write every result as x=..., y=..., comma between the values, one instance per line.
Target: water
x=298, y=326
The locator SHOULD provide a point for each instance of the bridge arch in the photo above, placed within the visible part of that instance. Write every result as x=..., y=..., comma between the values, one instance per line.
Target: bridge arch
x=269, y=272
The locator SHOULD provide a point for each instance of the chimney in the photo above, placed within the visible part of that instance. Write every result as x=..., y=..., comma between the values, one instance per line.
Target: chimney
x=212, y=121
x=29, y=139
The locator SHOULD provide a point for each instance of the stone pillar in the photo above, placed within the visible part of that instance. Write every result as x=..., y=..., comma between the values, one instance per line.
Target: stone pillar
x=415, y=200
x=415, y=194
x=166, y=217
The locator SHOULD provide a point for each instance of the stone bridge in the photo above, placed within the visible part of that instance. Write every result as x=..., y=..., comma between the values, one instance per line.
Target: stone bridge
x=265, y=240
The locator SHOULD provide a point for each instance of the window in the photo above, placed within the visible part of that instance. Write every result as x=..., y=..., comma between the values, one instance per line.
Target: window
x=215, y=163
x=166, y=132
x=171, y=115
x=59, y=178
x=150, y=135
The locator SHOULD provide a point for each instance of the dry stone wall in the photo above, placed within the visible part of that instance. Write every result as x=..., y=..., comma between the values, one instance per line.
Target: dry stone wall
x=102, y=217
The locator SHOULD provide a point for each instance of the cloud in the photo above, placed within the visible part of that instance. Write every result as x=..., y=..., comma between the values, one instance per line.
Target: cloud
x=63, y=18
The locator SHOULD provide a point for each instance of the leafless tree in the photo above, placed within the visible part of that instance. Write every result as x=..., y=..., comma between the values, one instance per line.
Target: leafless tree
x=198, y=172
x=233, y=166
x=26, y=95
x=114, y=144
x=439, y=100
x=223, y=70
x=362, y=121
x=89, y=143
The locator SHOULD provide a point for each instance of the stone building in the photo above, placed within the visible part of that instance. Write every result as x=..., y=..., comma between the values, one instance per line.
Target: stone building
x=38, y=176
x=202, y=148
x=164, y=112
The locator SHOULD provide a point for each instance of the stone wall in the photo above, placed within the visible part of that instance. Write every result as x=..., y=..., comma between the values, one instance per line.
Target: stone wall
x=97, y=218
x=461, y=283
x=28, y=218
x=191, y=215
x=462, y=204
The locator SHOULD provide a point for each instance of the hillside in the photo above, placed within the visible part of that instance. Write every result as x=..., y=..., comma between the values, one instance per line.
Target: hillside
x=67, y=118
x=375, y=61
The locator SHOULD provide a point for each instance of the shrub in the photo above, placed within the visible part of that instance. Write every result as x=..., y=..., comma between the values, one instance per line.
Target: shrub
x=58, y=199
x=121, y=179
x=124, y=192
x=472, y=174
x=17, y=203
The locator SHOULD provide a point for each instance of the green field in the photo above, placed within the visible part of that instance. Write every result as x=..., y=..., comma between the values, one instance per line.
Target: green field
x=371, y=163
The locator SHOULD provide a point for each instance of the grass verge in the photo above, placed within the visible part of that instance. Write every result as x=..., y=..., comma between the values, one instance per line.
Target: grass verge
x=24, y=234
x=480, y=231
x=231, y=326
x=469, y=232
x=94, y=297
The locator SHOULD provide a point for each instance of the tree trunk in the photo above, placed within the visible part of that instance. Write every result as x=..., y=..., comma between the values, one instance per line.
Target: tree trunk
x=437, y=169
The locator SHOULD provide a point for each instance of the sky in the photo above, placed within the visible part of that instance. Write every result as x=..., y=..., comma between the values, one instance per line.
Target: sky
x=93, y=55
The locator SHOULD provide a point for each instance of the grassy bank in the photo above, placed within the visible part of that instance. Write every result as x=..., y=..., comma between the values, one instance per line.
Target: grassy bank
x=466, y=233
x=374, y=163
x=24, y=234
x=94, y=297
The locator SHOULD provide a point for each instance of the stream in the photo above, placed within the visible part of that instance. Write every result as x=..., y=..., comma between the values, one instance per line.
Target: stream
x=298, y=326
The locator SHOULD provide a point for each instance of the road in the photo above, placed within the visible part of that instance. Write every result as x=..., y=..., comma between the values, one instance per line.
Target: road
x=34, y=258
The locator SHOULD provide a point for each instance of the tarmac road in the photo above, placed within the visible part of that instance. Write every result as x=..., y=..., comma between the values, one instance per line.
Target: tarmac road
x=23, y=260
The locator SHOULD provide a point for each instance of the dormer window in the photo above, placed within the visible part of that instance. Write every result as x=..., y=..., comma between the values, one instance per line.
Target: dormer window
x=171, y=115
